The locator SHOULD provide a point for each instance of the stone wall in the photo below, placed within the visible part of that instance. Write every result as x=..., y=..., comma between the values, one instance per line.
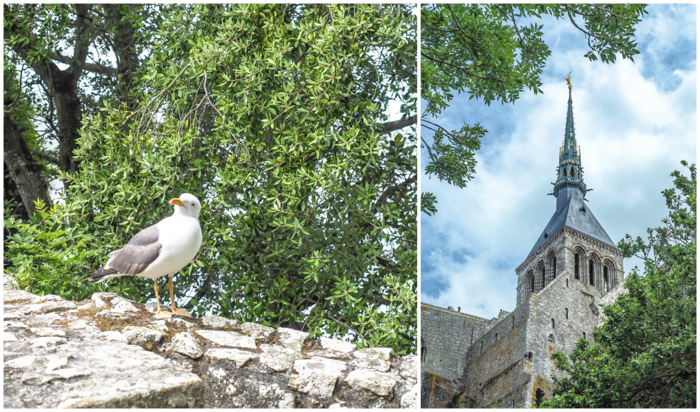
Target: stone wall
x=564, y=244
x=510, y=362
x=498, y=369
x=446, y=335
x=611, y=297
x=439, y=392
x=111, y=352
x=565, y=292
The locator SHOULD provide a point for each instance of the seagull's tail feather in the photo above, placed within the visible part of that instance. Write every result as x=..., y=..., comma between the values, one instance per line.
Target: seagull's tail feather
x=102, y=274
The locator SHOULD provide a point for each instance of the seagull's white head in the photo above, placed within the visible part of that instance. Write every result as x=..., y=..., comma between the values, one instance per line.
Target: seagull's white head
x=186, y=204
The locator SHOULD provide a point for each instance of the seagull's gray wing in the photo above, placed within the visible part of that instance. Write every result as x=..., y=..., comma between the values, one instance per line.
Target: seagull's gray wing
x=138, y=253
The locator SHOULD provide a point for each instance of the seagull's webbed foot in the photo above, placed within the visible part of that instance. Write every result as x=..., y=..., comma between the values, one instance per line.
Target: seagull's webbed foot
x=162, y=314
x=180, y=312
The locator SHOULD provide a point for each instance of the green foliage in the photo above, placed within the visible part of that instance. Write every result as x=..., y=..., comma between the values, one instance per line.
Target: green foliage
x=45, y=254
x=645, y=354
x=269, y=114
x=486, y=51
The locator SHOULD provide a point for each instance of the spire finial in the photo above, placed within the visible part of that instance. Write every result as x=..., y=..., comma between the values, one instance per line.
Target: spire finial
x=568, y=80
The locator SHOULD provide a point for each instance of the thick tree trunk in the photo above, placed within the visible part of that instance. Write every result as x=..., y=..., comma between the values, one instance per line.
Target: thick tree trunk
x=70, y=119
x=22, y=167
x=124, y=46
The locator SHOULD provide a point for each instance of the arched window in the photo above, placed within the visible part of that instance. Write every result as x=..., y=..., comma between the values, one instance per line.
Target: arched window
x=513, y=323
x=584, y=335
x=423, y=352
x=576, y=266
x=606, y=286
x=481, y=349
x=543, y=283
x=566, y=313
x=552, y=323
x=496, y=338
x=591, y=272
x=567, y=282
x=554, y=267
x=532, y=283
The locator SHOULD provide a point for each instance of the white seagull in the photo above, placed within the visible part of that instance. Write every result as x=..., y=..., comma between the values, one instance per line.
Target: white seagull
x=159, y=250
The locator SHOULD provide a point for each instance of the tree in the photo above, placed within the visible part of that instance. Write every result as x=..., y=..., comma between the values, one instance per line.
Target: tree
x=42, y=39
x=489, y=52
x=645, y=353
x=275, y=116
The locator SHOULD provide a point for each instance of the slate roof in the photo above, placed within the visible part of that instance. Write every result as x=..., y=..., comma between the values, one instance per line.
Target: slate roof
x=572, y=212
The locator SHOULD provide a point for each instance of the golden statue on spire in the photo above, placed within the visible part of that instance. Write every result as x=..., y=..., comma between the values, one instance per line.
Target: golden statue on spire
x=568, y=80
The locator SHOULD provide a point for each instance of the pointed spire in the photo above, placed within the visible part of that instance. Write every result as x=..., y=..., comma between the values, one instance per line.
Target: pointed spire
x=569, y=172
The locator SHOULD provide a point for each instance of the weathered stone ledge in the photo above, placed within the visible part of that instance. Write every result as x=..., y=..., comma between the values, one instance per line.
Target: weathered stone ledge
x=111, y=352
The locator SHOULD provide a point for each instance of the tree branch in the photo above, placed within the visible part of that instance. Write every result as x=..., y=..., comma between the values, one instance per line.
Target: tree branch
x=91, y=67
x=427, y=146
x=454, y=18
x=82, y=41
x=464, y=69
x=389, y=127
x=44, y=156
x=392, y=189
x=568, y=11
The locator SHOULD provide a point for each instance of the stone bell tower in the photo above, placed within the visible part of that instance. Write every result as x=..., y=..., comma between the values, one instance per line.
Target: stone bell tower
x=573, y=239
x=562, y=285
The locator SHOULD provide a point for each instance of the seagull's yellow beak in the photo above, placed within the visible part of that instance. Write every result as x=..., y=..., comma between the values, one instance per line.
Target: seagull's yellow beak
x=176, y=201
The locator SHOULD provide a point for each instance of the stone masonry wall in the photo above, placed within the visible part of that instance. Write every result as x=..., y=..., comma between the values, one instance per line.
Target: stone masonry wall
x=563, y=293
x=498, y=369
x=611, y=297
x=514, y=360
x=438, y=392
x=564, y=245
x=108, y=351
x=446, y=335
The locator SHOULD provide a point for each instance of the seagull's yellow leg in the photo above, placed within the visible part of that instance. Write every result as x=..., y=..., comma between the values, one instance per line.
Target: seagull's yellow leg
x=176, y=311
x=161, y=313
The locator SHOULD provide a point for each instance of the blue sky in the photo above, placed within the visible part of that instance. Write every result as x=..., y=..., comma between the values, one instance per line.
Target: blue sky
x=635, y=122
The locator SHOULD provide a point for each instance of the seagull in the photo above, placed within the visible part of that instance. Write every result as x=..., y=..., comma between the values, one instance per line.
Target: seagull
x=159, y=250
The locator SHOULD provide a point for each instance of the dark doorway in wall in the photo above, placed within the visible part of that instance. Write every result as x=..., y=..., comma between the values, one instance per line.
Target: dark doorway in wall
x=539, y=397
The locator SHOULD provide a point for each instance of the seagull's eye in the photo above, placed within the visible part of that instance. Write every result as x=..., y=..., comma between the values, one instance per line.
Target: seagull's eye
x=192, y=204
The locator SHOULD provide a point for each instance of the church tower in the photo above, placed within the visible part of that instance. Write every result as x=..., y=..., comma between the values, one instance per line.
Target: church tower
x=573, y=239
x=572, y=271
